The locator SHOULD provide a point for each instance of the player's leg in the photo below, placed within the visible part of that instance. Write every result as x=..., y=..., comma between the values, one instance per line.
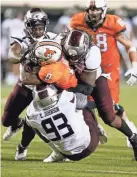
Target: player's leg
x=121, y=113
x=27, y=136
x=17, y=101
x=103, y=100
x=119, y=110
x=93, y=129
x=102, y=134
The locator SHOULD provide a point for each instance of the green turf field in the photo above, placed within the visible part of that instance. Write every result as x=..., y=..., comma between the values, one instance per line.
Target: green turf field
x=113, y=159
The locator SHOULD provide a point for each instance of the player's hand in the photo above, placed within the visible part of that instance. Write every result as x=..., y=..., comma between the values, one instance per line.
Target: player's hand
x=132, y=73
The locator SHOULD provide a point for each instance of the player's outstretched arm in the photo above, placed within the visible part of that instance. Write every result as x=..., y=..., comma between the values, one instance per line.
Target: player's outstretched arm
x=131, y=49
x=14, y=53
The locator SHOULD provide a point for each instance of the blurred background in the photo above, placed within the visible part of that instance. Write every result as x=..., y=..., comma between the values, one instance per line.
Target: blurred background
x=59, y=13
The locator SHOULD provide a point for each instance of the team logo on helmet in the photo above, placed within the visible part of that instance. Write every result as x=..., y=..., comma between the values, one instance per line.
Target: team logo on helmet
x=49, y=53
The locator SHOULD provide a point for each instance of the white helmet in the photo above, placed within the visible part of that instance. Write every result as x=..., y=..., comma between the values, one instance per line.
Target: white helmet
x=76, y=45
x=47, y=51
x=45, y=96
x=101, y=8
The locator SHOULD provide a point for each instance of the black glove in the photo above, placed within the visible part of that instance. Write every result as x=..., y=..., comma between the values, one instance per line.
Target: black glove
x=85, y=88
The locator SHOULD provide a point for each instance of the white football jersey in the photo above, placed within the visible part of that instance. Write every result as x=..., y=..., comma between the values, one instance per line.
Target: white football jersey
x=93, y=60
x=61, y=124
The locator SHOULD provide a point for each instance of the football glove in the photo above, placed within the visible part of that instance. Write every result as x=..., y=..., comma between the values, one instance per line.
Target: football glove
x=132, y=73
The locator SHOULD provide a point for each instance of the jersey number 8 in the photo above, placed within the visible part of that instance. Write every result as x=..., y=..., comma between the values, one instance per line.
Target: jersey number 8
x=102, y=42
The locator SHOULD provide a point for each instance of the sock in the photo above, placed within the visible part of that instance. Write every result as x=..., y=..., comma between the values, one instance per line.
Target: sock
x=131, y=126
x=19, y=122
x=27, y=135
x=125, y=129
x=22, y=146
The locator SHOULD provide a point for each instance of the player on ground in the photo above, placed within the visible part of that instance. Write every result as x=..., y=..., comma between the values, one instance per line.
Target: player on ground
x=106, y=30
x=72, y=134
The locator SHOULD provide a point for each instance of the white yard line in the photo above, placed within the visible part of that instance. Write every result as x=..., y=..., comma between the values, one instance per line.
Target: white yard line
x=102, y=171
x=92, y=171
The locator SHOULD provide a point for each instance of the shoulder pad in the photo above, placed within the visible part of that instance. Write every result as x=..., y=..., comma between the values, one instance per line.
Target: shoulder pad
x=51, y=35
x=15, y=39
x=115, y=23
x=22, y=42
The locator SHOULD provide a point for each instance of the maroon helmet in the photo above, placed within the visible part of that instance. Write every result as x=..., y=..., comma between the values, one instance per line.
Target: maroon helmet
x=76, y=45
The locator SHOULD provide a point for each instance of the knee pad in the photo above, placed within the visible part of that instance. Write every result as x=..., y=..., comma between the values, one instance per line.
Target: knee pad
x=119, y=110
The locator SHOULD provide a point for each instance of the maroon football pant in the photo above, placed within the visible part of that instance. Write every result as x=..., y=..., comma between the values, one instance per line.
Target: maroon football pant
x=17, y=101
x=102, y=97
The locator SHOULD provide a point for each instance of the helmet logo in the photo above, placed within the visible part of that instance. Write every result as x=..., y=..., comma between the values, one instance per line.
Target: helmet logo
x=49, y=53
x=38, y=16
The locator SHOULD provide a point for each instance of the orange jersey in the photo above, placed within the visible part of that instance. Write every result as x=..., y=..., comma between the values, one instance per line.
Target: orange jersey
x=104, y=38
x=58, y=73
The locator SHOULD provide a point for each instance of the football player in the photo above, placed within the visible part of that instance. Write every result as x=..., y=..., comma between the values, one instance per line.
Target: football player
x=106, y=30
x=71, y=134
x=53, y=67
x=36, y=22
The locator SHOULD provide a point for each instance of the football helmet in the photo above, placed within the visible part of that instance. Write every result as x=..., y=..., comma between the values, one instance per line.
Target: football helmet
x=46, y=51
x=45, y=96
x=36, y=22
x=96, y=10
x=76, y=45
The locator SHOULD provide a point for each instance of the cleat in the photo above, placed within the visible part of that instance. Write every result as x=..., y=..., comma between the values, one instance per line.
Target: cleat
x=55, y=157
x=102, y=135
x=21, y=153
x=134, y=130
x=133, y=141
x=12, y=131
